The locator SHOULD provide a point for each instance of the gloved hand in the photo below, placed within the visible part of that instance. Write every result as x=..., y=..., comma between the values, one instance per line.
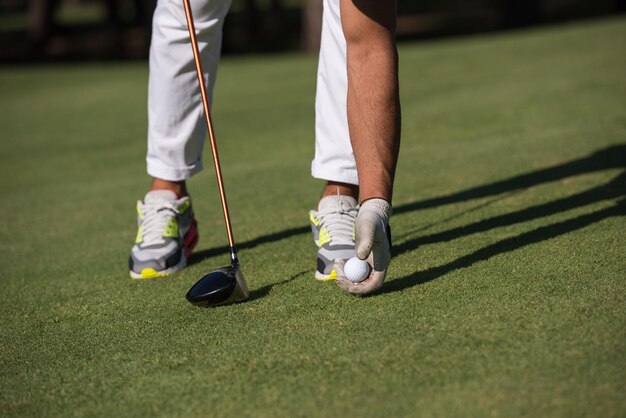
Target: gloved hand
x=372, y=244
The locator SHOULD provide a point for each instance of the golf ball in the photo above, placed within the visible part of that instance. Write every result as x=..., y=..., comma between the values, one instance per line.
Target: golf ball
x=356, y=270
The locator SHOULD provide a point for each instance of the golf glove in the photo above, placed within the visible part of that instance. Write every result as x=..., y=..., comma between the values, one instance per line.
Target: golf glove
x=372, y=244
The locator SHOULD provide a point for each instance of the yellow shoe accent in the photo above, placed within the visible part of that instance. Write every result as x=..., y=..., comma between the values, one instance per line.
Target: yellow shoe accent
x=332, y=276
x=183, y=208
x=324, y=237
x=313, y=219
x=150, y=273
x=171, y=230
x=139, y=238
x=139, y=212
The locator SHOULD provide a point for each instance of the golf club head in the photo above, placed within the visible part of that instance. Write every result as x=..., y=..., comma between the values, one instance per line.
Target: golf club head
x=223, y=286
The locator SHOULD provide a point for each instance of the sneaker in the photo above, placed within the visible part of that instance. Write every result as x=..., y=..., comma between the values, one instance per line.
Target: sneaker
x=333, y=232
x=167, y=234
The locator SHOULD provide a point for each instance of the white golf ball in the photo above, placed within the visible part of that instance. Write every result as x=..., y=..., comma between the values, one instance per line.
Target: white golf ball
x=356, y=270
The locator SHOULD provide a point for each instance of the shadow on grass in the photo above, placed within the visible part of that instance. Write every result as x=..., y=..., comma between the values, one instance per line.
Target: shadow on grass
x=265, y=290
x=608, y=158
x=509, y=244
x=264, y=239
x=604, y=159
x=614, y=189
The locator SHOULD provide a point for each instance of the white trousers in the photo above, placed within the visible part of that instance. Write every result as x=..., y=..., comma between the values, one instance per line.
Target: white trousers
x=176, y=129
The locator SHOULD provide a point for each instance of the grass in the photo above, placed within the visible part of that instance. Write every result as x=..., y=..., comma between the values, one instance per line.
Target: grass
x=505, y=298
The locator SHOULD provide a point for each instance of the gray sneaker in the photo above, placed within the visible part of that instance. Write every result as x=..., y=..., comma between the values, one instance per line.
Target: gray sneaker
x=167, y=234
x=333, y=233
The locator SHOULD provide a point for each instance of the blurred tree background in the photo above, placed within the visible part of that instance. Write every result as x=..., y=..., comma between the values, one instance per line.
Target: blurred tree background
x=44, y=30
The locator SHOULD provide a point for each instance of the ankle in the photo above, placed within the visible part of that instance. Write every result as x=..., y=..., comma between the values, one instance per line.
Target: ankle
x=334, y=188
x=178, y=187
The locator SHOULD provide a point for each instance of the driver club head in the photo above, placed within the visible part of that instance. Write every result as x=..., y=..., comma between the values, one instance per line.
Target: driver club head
x=223, y=286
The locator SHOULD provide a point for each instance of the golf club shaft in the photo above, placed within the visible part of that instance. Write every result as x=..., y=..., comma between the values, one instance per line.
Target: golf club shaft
x=207, y=114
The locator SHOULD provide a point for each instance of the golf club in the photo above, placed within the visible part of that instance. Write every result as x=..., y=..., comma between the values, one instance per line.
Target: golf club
x=225, y=285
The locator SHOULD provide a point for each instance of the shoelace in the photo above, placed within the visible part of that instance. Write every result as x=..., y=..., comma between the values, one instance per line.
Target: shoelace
x=339, y=223
x=155, y=219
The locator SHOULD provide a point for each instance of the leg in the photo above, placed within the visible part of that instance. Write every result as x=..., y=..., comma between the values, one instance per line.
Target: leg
x=359, y=122
x=334, y=160
x=167, y=227
x=176, y=130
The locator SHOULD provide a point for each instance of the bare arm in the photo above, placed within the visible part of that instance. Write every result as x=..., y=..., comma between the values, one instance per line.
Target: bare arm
x=373, y=97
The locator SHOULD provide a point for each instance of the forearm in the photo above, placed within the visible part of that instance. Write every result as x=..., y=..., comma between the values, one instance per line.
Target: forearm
x=373, y=98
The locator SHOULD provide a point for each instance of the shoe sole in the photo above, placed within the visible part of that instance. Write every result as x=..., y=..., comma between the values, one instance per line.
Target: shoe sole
x=150, y=273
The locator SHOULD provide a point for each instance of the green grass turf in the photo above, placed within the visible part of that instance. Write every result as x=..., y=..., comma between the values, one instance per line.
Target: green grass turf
x=506, y=297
